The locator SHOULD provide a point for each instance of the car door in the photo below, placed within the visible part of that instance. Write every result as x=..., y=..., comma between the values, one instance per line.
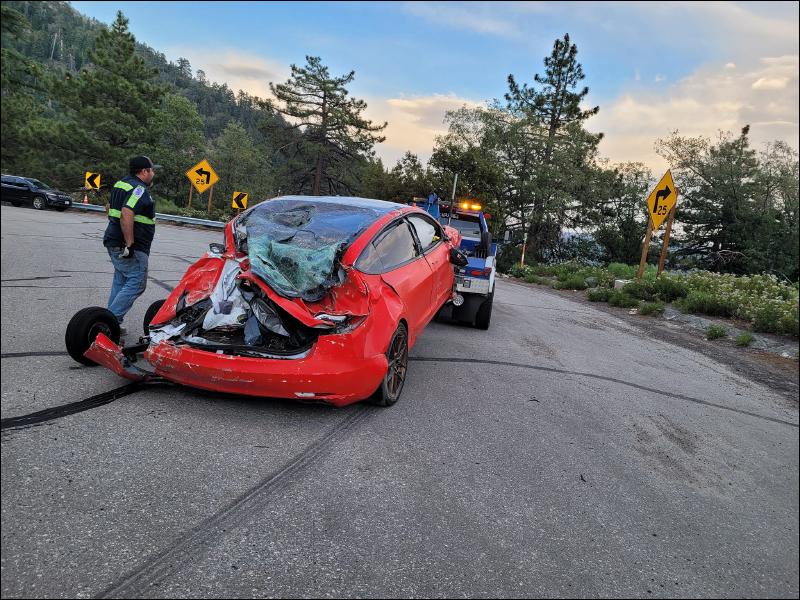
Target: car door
x=395, y=255
x=11, y=189
x=436, y=252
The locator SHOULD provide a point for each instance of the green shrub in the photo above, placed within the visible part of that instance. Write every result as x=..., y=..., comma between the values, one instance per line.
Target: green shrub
x=669, y=288
x=516, y=271
x=745, y=338
x=638, y=289
x=600, y=295
x=623, y=300
x=573, y=282
x=622, y=271
x=533, y=278
x=651, y=308
x=714, y=332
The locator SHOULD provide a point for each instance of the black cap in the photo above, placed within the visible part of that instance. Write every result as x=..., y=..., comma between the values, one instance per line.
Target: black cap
x=141, y=162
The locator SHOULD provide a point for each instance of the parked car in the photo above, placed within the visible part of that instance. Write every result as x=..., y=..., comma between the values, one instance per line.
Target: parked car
x=26, y=190
x=311, y=298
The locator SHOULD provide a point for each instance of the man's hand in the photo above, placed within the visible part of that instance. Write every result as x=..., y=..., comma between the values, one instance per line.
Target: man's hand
x=127, y=253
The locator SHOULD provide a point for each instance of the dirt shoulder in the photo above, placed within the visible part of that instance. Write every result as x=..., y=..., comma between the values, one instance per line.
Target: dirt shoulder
x=762, y=362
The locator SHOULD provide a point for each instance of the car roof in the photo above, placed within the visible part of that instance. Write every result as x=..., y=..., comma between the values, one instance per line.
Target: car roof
x=380, y=206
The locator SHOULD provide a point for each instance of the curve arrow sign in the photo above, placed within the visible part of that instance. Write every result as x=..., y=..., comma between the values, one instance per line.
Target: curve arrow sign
x=203, y=172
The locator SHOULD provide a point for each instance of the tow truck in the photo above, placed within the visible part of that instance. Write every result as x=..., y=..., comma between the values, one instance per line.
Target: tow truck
x=474, y=281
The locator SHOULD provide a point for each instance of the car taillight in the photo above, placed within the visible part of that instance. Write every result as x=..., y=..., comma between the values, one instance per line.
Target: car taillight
x=487, y=272
x=478, y=273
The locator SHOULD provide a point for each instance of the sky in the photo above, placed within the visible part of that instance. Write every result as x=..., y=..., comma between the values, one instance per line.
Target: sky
x=651, y=67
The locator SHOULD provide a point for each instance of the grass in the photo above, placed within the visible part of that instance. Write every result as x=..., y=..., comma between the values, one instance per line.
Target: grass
x=715, y=332
x=745, y=338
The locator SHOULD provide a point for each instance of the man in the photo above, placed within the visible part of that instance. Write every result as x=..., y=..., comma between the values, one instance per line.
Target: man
x=131, y=227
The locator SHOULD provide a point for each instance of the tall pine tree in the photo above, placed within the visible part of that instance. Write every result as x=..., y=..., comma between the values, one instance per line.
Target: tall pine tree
x=326, y=141
x=105, y=107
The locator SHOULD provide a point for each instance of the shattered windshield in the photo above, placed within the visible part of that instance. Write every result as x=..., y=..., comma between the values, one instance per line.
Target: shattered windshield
x=294, y=245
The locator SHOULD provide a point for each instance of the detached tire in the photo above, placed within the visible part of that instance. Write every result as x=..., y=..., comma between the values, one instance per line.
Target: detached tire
x=397, y=356
x=150, y=315
x=83, y=329
x=484, y=314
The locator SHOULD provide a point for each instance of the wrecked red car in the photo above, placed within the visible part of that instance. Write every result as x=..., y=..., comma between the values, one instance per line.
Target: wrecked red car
x=311, y=298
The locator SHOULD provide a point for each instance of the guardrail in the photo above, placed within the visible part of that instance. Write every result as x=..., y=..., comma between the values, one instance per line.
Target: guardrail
x=163, y=216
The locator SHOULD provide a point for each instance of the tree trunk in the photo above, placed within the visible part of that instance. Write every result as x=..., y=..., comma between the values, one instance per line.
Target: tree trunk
x=318, y=176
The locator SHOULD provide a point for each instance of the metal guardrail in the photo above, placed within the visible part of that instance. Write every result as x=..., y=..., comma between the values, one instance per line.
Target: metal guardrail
x=163, y=216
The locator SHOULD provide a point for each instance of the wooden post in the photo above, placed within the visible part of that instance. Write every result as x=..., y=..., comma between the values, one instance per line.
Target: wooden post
x=191, y=189
x=646, y=248
x=210, y=194
x=666, y=241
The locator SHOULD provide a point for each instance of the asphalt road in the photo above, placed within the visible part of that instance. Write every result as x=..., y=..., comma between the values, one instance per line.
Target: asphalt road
x=559, y=454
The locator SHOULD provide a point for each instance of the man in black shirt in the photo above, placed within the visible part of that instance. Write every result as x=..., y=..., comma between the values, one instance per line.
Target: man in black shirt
x=130, y=231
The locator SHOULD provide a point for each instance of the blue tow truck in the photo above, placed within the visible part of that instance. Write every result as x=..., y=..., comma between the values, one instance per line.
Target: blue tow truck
x=474, y=282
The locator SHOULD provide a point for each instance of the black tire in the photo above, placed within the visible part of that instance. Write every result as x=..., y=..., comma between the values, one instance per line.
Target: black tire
x=484, y=314
x=39, y=203
x=397, y=356
x=83, y=329
x=151, y=312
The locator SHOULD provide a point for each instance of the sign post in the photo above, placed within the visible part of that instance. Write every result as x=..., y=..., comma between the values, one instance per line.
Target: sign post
x=191, y=189
x=202, y=177
x=210, y=195
x=660, y=204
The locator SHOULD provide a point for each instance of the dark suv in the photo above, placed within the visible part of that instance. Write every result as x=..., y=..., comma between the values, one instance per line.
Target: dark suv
x=24, y=190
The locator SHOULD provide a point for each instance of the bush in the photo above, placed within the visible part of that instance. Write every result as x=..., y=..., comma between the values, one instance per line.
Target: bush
x=622, y=300
x=573, y=282
x=533, y=278
x=516, y=271
x=745, y=338
x=651, y=308
x=638, y=289
x=669, y=288
x=714, y=332
x=600, y=295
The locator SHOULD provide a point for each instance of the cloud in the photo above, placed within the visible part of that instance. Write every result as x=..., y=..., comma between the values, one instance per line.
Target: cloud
x=660, y=78
x=414, y=122
x=481, y=17
x=241, y=71
x=712, y=98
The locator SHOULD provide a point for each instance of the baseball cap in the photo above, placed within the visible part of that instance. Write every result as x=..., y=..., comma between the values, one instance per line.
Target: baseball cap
x=141, y=162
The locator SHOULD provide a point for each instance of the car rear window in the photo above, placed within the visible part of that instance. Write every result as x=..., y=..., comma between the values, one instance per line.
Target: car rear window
x=295, y=245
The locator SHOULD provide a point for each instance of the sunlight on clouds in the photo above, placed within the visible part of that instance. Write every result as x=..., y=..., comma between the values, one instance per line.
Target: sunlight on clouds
x=414, y=122
x=711, y=98
x=239, y=70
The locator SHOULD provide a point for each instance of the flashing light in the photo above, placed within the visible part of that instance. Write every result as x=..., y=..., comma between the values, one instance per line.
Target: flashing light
x=464, y=205
x=475, y=206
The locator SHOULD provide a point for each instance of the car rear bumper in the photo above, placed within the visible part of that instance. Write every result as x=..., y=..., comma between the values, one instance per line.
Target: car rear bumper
x=330, y=372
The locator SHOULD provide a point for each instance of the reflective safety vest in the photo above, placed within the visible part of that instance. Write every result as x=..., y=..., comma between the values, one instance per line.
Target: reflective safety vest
x=130, y=192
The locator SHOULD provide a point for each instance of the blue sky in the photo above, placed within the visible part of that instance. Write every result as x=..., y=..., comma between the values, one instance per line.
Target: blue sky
x=651, y=67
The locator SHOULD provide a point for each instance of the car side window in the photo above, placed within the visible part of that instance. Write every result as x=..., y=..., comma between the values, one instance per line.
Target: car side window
x=396, y=246
x=428, y=232
x=369, y=261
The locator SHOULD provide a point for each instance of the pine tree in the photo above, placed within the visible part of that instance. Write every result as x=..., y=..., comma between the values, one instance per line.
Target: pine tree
x=326, y=142
x=105, y=108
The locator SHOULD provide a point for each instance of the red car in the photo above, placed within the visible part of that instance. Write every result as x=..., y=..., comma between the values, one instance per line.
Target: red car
x=312, y=298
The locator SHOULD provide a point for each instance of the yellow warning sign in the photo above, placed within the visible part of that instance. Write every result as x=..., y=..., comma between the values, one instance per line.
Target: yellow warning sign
x=202, y=176
x=239, y=200
x=662, y=200
x=92, y=181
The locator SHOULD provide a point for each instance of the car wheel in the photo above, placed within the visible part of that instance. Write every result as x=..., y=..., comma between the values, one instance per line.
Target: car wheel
x=39, y=203
x=83, y=329
x=484, y=314
x=150, y=314
x=397, y=356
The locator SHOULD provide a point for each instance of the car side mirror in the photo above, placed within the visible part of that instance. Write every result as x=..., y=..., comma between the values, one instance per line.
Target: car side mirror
x=458, y=258
x=217, y=248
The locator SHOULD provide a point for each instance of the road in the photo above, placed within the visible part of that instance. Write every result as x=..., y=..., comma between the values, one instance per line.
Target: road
x=560, y=454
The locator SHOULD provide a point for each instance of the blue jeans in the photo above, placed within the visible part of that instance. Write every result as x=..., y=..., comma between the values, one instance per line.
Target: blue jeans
x=130, y=281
